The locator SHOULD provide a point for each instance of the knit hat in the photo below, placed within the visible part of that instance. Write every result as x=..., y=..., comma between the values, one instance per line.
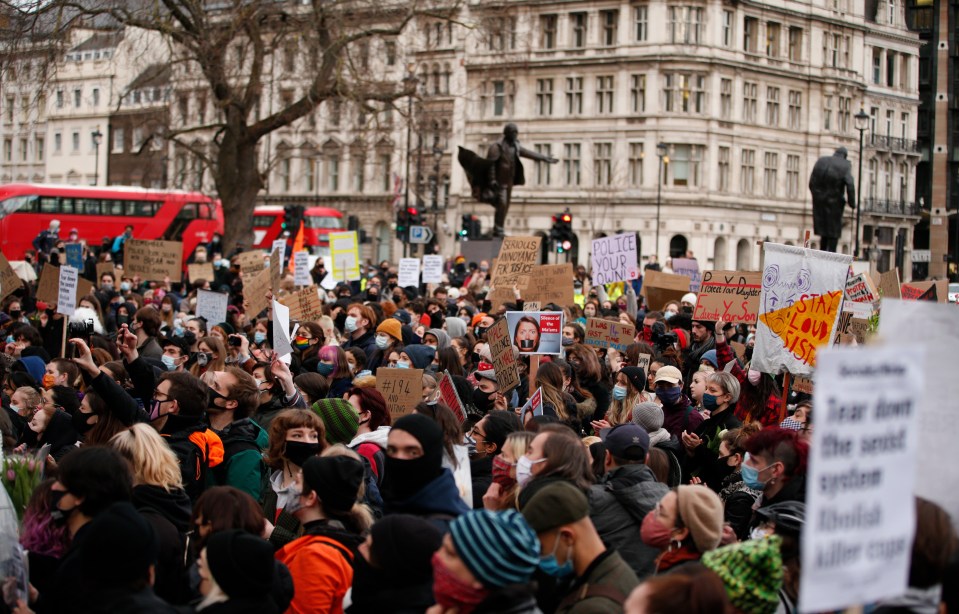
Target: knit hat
x=339, y=418
x=636, y=377
x=227, y=327
x=421, y=355
x=701, y=510
x=241, y=563
x=710, y=357
x=499, y=548
x=669, y=374
x=403, y=546
x=752, y=572
x=33, y=365
x=556, y=504
x=335, y=480
x=648, y=415
x=690, y=298
x=477, y=319
x=123, y=548
x=391, y=327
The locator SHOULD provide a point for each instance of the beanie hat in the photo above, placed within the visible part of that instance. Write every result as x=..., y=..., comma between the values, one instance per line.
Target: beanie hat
x=339, y=418
x=123, y=547
x=648, y=415
x=403, y=545
x=336, y=480
x=710, y=357
x=420, y=355
x=426, y=431
x=499, y=548
x=752, y=572
x=690, y=298
x=701, y=510
x=227, y=328
x=636, y=377
x=35, y=366
x=442, y=339
x=556, y=504
x=477, y=319
x=241, y=563
x=391, y=327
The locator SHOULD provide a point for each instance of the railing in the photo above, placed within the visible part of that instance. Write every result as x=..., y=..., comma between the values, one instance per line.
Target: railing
x=893, y=143
x=890, y=207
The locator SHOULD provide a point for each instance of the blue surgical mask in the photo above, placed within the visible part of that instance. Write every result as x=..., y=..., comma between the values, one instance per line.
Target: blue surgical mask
x=619, y=392
x=350, y=324
x=549, y=566
x=402, y=364
x=169, y=362
x=382, y=341
x=178, y=330
x=324, y=369
x=751, y=475
x=670, y=396
x=259, y=337
x=10, y=339
x=125, y=286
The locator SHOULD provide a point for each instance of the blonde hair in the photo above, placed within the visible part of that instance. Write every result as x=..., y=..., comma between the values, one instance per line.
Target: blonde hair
x=517, y=443
x=590, y=440
x=31, y=395
x=153, y=462
x=361, y=516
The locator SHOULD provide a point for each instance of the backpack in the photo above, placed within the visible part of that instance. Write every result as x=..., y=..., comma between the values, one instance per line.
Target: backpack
x=194, y=462
x=232, y=447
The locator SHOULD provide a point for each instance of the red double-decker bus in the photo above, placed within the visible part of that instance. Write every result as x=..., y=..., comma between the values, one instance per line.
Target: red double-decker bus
x=98, y=212
x=318, y=223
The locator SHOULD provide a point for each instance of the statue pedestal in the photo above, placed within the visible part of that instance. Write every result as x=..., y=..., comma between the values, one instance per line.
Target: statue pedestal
x=481, y=249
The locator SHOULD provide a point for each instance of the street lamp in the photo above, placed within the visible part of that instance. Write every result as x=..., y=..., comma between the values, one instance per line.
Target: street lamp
x=97, y=137
x=862, y=121
x=437, y=158
x=661, y=149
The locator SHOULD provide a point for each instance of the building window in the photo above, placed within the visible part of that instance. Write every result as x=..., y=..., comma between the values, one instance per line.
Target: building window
x=728, y=31
x=283, y=175
x=770, y=173
x=637, y=93
x=723, y=169
x=750, y=103
x=75, y=138
x=891, y=12
x=500, y=33
x=795, y=44
x=890, y=69
x=792, y=176
x=604, y=95
x=750, y=34
x=547, y=29
x=96, y=97
x=684, y=165
x=685, y=24
x=8, y=150
x=747, y=171
x=873, y=172
x=309, y=174
x=610, y=21
x=40, y=142
x=574, y=95
x=137, y=139
x=358, y=166
x=59, y=99
x=8, y=111
x=904, y=126
x=389, y=50
x=903, y=182
x=685, y=93
x=772, y=106
x=24, y=152
x=641, y=21
x=579, y=23
x=57, y=142
x=333, y=172
x=544, y=96
x=726, y=98
x=877, y=65
x=603, y=164
x=887, y=175
x=832, y=48
x=845, y=113
x=795, y=109
x=571, y=163
x=543, y=169
x=827, y=113
x=499, y=98
x=386, y=173
x=77, y=97
x=890, y=120
x=118, y=134
x=772, y=39
x=636, y=156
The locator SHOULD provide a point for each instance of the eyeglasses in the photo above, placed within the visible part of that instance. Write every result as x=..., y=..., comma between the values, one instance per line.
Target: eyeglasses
x=474, y=433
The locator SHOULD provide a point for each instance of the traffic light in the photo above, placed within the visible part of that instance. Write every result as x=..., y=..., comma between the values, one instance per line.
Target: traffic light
x=470, y=228
x=561, y=234
x=292, y=218
x=403, y=225
x=416, y=218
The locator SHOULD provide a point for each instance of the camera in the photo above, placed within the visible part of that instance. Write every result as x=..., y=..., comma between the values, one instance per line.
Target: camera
x=661, y=338
x=236, y=341
x=78, y=330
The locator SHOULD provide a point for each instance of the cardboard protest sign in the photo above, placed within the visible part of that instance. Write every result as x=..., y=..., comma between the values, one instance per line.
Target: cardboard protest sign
x=301, y=269
x=281, y=330
x=609, y=334
x=860, y=289
x=536, y=332
x=851, y=311
x=48, y=286
x=643, y=361
x=279, y=245
x=255, y=288
x=198, y=271
x=276, y=269
x=920, y=290
x=550, y=283
x=889, y=284
x=615, y=259
x=501, y=350
x=517, y=257
x=690, y=268
x=802, y=384
x=432, y=269
x=534, y=406
x=345, y=254
x=67, y=291
x=9, y=281
x=153, y=260
x=801, y=295
x=660, y=288
x=730, y=296
x=251, y=261
x=408, y=273
x=402, y=389
x=452, y=398
x=305, y=305
x=212, y=306
x=74, y=255
x=860, y=515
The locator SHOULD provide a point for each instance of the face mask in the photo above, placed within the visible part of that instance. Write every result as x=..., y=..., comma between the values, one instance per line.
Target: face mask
x=259, y=337
x=551, y=567
x=324, y=369
x=568, y=341
x=382, y=341
x=619, y=392
x=524, y=469
x=669, y=314
x=751, y=474
x=653, y=533
x=123, y=320
x=59, y=516
x=452, y=593
x=155, y=405
x=169, y=362
x=48, y=381
x=166, y=308
x=482, y=401
x=301, y=343
x=502, y=472
x=178, y=330
x=14, y=408
x=350, y=324
x=295, y=503
x=81, y=422
x=670, y=396
x=710, y=402
x=402, y=364
x=125, y=286
x=15, y=314
x=10, y=339
x=475, y=357
x=204, y=358
x=754, y=376
x=211, y=405
x=297, y=452
x=107, y=285
x=480, y=331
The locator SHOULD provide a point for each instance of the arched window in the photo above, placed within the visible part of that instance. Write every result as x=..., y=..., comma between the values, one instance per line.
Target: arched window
x=719, y=254
x=744, y=260
x=678, y=246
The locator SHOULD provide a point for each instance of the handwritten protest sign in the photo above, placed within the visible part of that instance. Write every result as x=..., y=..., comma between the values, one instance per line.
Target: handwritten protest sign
x=452, y=398
x=198, y=271
x=531, y=306
x=690, y=268
x=9, y=281
x=48, y=286
x=801, y=295
x=550, y=283
x=402, y=389
x=889, y=284
x=660, y=288
x=609, y=334
x=856, y=543
x=920, y=290
x=408, y=273
x=74, y=255
x=67, y=292
x=730, y=296
x=153, y=260
x=279, y=244
x=615, y=258
x=305, y=305
x=255, y=288
x=802, y=384
x=536, y=332
x=517, y=257
x=643, y=362
x=860, y=289
x=432, y=269
x=212, y=306
x=251, y=261
x=301, y=269
x=345, y=254
x=501, y=350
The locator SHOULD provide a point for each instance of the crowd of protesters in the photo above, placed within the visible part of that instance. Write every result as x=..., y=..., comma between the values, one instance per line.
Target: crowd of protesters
x=190, y=469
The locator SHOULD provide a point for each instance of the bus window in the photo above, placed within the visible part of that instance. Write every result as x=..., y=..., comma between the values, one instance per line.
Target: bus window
x=25, y=204
x=313, y=221
x=141, y=208
x=205, y=210
x=113, y=207
x=263, y=221
x=50, y=205
x=87, y=206
x=186, y=214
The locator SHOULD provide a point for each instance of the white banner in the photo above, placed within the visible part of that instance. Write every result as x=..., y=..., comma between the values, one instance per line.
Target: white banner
x=432, y=269
x=409, y=272
x=860, y=514
x=615, y=259
x=800, y=302
x=212, y=306
x=281, y=330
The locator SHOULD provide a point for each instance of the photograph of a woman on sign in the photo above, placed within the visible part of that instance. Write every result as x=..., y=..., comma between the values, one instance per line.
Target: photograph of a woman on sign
x=526, y=334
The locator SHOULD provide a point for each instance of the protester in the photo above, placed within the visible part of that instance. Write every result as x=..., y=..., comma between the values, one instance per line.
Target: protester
x=752, y=572
x=679, y=414
x=489, y=435
x=702, y=445
x=692, y=589
x=687, y=522
x=738, y=498
x=232, y=399
x=555, y=452
x=775, y=463
x=237, y=574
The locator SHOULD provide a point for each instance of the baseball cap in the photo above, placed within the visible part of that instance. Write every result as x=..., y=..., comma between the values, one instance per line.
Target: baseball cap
x=626, y=441
x=668, y=374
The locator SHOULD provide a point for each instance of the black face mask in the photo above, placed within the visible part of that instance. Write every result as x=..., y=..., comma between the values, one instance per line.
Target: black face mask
x=479, y=331
x=59, y=516
x=15, y=314
x=475, y=356
x=298, y=452
x=81, y=422
x=406, y=477
x=482, y=401
x=211, y=404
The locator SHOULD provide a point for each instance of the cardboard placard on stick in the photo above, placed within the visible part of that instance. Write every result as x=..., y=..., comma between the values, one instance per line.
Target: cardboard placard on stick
x=9, y=281
x=255, y=288
x=660, y=288
x=67, y=291
x=305, y=305
x=251, y=261
x=402, y=389
x=550, y=283
x=276, y=268
x=48, y=287
x=517, y=257
x=609, y=334
x=504, y=362
x=198, y=271
x=451, y=397
x=212, y=306
x=153, y=260
x=730, y=296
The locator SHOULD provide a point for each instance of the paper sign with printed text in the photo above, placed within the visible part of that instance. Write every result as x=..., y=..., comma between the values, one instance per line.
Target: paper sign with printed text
x=67, y=290
x=860, y=289
x=212, y=306
x=432, y=269
x=48, y=286
x=536, y=332
x=301, y=269
x=408, y=272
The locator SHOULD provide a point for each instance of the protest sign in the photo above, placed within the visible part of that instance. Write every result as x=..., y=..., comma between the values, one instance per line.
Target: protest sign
x=432, y=269
x=550, y=283
x=643, y=361
x=501, y=350
x=517, y=257
x=212, y=306
x=536, y=332
x=860, y=289
x=251, y=261
x=153, y=260
x=198, y=271
x=402, y=389
x=534, y=405
x=281, y=330
x=801, y=294
x=802, y=384
x=739, y=349
x=305, y=305
x=615, y=258
x=255, y=288
x=345, y=254
x=301, y=269
x=48, y=286
x=889, y=284
x=609, y=334
x=730, y=296
x=452, y=398
x=9, y=281
x=860, y=515
x=690, y=268
x=109, y=267
x=660, y=288
x=276, y=269
x=74, y=255
x=531, y=306
x=408, y=273
x=279, y=244
x=67, y=291
x=923, y=290
x=937, y=328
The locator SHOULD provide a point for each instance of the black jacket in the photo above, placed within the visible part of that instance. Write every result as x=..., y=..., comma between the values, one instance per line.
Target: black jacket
x=128, y=602
x=704, y=461
x=169, y=514
x=366, y=342
x=481, y=470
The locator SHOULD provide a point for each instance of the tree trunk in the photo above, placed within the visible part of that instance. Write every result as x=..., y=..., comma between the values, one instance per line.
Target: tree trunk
x=238, y=182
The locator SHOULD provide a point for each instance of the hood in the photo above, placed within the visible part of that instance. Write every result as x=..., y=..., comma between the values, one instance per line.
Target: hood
x=245, y=429
x=378, y=437
x=175, y=505
x=441, y=496
x=35, y=367
x=455, y=327
x=59, y=432
x=421, y=355
x=442, y=339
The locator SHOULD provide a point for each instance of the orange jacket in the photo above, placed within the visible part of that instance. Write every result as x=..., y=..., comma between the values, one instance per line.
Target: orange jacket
x=322, y=573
